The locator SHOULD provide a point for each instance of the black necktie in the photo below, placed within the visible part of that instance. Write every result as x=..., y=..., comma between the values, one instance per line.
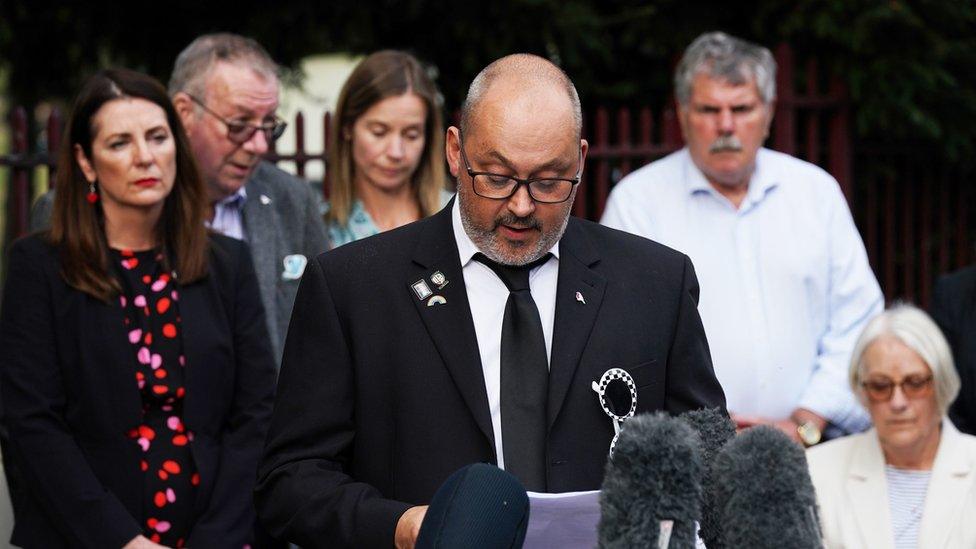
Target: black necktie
x=524, y=377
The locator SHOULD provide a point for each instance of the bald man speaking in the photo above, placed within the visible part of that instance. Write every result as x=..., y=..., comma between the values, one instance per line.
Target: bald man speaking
x=476, y=335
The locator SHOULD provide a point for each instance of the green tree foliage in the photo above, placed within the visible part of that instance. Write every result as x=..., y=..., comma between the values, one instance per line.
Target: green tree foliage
x=910, y=66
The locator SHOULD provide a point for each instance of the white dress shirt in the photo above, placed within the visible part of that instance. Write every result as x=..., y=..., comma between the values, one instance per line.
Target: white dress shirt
x=487, y=295
x=785, y=282
x=228, y=217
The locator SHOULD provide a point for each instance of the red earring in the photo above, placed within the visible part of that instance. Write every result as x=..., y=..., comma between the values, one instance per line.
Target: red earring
x=92, y=196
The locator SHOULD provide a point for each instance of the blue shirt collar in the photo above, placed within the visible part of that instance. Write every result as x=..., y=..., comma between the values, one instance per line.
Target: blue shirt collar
x=761, y=182
x=236, y=199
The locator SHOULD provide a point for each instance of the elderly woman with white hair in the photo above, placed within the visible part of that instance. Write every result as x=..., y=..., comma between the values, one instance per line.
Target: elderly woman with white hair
x=910, y=481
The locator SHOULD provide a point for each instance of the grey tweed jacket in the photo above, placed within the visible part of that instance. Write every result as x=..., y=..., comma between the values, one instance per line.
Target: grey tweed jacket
x=283, y=223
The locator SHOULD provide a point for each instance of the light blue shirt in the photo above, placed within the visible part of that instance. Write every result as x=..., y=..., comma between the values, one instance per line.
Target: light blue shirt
x=228, y=217
x=360, y=224
x=785, y=282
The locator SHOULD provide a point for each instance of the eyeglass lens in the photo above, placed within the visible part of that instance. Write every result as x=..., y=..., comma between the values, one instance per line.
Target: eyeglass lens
x=541, y=190
x=241, y=133
x=882, y=389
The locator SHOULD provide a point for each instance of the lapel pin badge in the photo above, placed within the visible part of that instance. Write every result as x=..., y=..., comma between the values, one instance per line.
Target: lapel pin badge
x=436, y=300
x=438, y=279
x=265, y=199
x=579, y=297
x=294, y=266
x=421, y=288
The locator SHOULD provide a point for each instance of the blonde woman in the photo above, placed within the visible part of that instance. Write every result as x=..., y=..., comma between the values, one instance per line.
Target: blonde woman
x=387, y=149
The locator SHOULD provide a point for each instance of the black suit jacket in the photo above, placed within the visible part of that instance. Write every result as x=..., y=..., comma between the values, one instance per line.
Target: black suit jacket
x=381, y=397
x=954, y=309
x=69, y=397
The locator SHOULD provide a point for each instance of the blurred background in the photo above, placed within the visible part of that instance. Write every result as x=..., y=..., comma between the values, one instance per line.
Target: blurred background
x=882, y=94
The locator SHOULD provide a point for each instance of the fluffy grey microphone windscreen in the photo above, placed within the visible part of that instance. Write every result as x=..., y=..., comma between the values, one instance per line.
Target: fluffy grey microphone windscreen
x=714, y=428
x=764, y=494
x=654, y=475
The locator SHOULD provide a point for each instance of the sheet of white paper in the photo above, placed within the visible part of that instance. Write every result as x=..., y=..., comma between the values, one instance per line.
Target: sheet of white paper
x=563, y=521
x=568, y=521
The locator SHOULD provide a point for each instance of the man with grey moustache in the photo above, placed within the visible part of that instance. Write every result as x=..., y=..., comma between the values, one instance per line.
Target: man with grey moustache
x=785, y=283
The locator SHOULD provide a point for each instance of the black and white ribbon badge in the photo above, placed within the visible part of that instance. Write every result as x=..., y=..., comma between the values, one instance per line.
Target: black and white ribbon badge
x=617, y=393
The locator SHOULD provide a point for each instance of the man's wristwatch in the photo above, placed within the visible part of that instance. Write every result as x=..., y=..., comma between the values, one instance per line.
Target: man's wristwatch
x=809, y=433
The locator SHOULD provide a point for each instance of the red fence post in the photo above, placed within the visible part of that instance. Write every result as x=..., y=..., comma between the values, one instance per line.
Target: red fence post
x=869, y=224
x=300, y=145
x=812, y=118
x=925, y=243
x=784, y=123
x=672, y=139
x=839, y=164
x=602, y=184
x=889, y=246
x=963, y=242
x=54, y=128
x=944, y=223
x=326, y=143
x=624, y=140
x=646, y=129
x=909, y=256
x=18, y=199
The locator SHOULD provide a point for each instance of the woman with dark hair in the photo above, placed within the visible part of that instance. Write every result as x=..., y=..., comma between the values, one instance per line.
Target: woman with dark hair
x=386, y=150
x=137, y=378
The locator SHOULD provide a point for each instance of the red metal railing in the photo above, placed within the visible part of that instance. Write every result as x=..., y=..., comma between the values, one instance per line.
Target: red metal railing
x=912, y=208
x=301, y=157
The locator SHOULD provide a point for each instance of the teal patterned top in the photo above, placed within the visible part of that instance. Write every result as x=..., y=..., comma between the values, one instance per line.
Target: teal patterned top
x=360, y=224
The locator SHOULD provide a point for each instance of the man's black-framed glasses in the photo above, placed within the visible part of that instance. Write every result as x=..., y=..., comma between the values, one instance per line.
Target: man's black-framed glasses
x=547, y=190
x=242, y=132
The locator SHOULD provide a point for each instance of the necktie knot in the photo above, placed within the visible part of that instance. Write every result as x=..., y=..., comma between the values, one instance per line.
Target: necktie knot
x=515, y=277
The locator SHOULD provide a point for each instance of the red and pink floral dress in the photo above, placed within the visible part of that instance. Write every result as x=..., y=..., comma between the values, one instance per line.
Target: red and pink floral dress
x=150, y=302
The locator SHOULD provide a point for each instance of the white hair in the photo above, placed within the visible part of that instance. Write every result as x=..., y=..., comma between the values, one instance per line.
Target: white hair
x=911, y=326
x=196, y=61
x=727, y=58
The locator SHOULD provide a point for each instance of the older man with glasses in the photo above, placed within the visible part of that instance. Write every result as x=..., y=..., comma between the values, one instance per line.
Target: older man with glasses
x=225, y=88
x=477, y=335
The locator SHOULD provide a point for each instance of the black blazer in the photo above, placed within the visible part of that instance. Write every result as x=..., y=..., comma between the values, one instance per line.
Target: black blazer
x=69, y=397
x=954, y=309
x=382, y=397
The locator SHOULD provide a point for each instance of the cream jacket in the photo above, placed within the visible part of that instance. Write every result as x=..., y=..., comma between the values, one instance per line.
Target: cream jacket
x=849, y=477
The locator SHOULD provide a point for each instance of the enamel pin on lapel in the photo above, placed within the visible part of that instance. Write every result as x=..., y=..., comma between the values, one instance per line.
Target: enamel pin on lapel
x=436, y=300
x=294, y=266
x=421, y=288
x=438, y=279
x=265, y=199
x=579, y=297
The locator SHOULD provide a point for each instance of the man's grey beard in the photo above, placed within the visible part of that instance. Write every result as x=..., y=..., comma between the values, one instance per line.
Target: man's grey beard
x=489, y=243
